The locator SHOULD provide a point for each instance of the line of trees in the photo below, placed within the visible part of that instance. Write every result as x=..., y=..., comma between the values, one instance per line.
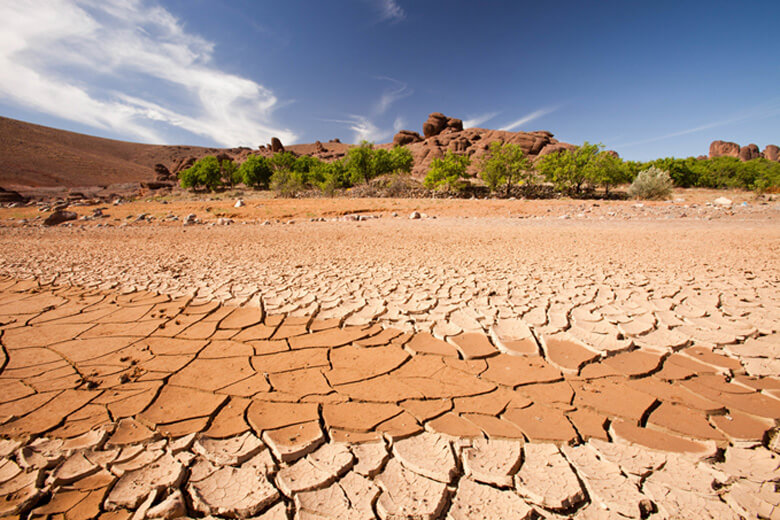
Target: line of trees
x=287, y=173
x=575, y=172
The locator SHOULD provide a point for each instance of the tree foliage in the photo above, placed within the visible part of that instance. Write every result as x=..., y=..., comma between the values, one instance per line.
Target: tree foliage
x=504, y=166
x=204, y=173
x=256, y=172
x=448, y=171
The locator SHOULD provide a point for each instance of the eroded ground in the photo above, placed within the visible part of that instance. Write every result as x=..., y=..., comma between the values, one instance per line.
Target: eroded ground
x=458, y=368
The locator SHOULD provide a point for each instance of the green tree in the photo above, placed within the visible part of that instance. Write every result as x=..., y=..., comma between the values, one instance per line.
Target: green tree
x=448, y=171
x=282, y=161
x=330, y=176
x=206, y=172
x=229, y=172
x=607, y=169
x=359, y=162
x=505, y=165
x=256, y=172
x=568, y=170
x=402, y=160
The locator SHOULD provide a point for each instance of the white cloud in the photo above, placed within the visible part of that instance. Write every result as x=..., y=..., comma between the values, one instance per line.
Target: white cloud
x=399, y=124
x=474, y=122
x=83, y=60
x=364, y=129
x=390, y=11
x=528, y=118
x=399, y=90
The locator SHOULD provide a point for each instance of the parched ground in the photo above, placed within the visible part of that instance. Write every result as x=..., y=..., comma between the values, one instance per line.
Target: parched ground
x=598, y=360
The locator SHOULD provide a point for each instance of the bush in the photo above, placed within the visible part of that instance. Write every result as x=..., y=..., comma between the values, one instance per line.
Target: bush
x=282, y=161
x=287, y=182
x=569, y=170
x=652, y=183
x=205, y=172
x=360, y=163
x=607, y=170
x=448, y=171
x=229, y=172
x=256, y=172
x=401, y=160
x=505, y=165
x=331, y=176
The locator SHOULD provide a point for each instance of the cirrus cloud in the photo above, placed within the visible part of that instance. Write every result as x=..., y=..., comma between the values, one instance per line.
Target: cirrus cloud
x=129, y=67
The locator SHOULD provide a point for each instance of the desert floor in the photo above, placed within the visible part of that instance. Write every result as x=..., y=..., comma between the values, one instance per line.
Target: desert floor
x=317, y=359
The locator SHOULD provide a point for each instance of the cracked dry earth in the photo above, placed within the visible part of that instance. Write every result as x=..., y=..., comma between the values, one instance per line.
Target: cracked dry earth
x=449, y=369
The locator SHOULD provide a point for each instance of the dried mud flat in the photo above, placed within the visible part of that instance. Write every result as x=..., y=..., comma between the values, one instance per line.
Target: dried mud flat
x=449, y=368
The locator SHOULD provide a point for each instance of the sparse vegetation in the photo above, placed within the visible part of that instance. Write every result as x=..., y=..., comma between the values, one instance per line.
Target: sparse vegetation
x=256, y=172
x=652, y=183
x=504, y=166
x=448, y=172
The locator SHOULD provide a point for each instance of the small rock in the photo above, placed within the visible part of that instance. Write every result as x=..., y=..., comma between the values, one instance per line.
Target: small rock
x=722, y=201
x=415, y=215
x=239, y=203
x=58, y=217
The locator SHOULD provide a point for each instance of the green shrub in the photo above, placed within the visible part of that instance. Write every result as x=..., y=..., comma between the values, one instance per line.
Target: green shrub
x=450, y=172
x=287, y=182
x=569, y=170
x=229, y=173
x=652, y=183
x=331, y=176
x=607, y=170
x=505, y=165
x=256, y=172
x=282, y=161
x=205, y=172
x=359, y=162
x=401, y=160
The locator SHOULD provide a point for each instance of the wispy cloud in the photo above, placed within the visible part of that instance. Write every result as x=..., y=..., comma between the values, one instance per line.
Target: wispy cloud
x=390, y=11
x=107, y=63
x=364, y=129
x=399, y=90
x=530, y=117
x=473, y=122
x=761, y=112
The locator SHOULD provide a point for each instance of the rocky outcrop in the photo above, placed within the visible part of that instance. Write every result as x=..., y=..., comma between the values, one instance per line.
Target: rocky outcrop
x=405, y=137
x=443, y=134
x=772, y=153
x=744, y=153
x=438, y=123
x=11, y=196
x=276, y=145
x=749, y=152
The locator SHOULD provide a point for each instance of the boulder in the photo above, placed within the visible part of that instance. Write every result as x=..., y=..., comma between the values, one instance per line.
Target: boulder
x=724, y=149
x=318, y=147
x=156, y=185
x=749, y=152
x=11, y=196
x=555, y=148
x=162, y=172
x=405, y=137
x=772, y=153
x=58, y=217
x=435, y=123
x=276, y=145
x=455, y=124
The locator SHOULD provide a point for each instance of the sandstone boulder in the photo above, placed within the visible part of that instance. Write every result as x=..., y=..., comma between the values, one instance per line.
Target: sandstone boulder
x=58, y=217
x=405, y=137
x=724, y=149
x=772, y=153
x=435, y=123
x=749, y=152
x=276, y=145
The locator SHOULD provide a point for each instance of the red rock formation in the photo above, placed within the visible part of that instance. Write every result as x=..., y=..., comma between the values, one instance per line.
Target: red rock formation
x=746, y=153
x=723, y=149
x=772, y=153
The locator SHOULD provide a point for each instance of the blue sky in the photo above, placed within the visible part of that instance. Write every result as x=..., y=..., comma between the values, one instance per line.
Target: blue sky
x=648, y=79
